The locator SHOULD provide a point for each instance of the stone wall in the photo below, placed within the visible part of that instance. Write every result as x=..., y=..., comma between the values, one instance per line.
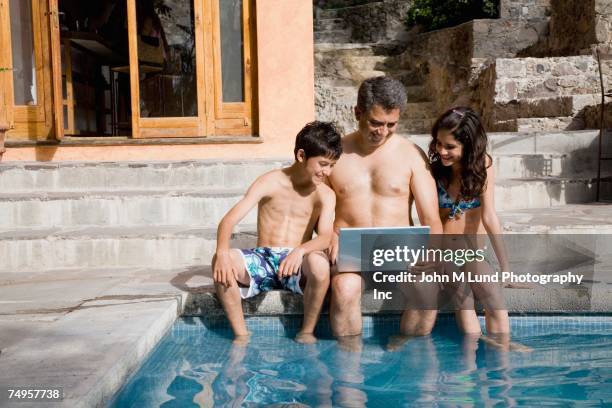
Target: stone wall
x=524, y=9
x=575, y=27
x=375, y=22
x=451, y=60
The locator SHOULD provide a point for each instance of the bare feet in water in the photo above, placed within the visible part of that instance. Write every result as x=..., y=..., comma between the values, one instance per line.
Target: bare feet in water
x=503, y=343
x=242, y=339
x=305, y=338
x=397, y=341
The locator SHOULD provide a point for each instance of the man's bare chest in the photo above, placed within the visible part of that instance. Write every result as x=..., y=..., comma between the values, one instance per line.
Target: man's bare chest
x=385, y=180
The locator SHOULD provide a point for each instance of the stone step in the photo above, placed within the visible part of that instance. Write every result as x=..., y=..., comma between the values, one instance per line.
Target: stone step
x=418, y=117
x=207, y=207
x=547, y=124
x=366, y=63
x=521, y=78
x=326, y=13
x=419, y=110
x=332, y=36
x=81, y=176
x=571, y=152
x=325, y=24
x=416, y=126
x=417, y=93
x=114, y=208
x=581, y=144
x=556, y=107
x=545, y=192
x=538, y=300
x=170, y=247
x=542, y=165
x=336, y=49
x=164, y=247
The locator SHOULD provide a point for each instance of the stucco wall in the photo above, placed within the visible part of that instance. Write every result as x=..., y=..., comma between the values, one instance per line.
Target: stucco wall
x=285, y=97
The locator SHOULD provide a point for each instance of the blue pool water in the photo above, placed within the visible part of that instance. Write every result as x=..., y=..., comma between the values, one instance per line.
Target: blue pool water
x=196, y=364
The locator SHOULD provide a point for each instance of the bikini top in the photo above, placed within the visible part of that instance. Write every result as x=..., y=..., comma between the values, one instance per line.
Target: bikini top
x=457, y=207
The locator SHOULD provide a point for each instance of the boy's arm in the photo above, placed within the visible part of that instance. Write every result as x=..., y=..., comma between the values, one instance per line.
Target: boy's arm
x=223, y=272
x=325, y=227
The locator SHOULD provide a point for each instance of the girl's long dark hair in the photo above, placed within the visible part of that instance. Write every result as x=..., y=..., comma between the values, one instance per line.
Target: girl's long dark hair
x=467, y=128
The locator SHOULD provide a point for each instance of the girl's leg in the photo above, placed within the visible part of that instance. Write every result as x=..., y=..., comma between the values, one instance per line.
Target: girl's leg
x=463, y=302
x=230, y=297
x=491, y=296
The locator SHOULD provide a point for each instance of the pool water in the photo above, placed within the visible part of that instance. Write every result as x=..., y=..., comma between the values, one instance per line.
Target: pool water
x=196, y=364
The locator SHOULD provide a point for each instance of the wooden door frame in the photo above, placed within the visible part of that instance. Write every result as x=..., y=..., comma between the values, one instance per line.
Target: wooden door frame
x=166, y=127
x=234, y=118
x=31, y=122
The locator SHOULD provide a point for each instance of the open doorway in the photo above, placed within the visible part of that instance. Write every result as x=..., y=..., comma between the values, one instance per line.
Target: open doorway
x=95, y=68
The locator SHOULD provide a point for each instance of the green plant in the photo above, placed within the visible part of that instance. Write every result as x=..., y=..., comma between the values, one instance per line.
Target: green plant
x=436, y=14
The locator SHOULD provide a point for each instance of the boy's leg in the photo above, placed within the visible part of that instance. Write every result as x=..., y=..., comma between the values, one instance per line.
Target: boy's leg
x=230, y=297
x=315, y=269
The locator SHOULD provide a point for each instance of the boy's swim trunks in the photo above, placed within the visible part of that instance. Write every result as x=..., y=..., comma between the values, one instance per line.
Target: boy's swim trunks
x=262, y=265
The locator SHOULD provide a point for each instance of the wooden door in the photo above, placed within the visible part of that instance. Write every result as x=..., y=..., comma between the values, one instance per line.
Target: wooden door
x=233, y=65
x=167, y=70
x=26, y=81
x=192, y=71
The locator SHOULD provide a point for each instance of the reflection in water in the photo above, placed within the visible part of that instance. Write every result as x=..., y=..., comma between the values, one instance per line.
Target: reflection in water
x=348, y=374
x=196, y=366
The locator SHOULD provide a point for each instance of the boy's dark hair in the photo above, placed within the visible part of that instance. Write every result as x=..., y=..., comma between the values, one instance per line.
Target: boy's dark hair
x=319, y=139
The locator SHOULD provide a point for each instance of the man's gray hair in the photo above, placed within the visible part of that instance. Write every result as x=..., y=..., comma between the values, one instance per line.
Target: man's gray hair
x=383, y=91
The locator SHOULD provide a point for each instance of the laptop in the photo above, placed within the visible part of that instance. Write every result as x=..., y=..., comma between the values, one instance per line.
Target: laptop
x=349, y=252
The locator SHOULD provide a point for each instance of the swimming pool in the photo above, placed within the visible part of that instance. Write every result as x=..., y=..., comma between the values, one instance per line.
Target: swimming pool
x=196, y=364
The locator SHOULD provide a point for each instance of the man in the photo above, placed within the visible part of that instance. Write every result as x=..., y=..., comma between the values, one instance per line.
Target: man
x=375, y=180
x=292, y=202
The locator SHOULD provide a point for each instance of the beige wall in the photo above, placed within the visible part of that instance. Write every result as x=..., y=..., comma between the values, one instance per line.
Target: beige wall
x=285, y=64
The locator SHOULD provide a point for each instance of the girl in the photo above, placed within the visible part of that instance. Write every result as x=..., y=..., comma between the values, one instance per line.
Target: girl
x=465, y=181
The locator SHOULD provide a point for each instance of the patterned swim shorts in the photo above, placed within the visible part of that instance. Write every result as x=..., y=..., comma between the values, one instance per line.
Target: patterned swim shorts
x=262, y=265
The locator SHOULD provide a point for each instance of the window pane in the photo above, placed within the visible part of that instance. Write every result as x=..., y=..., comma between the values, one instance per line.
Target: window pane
x=231, y=50
x=166, y=58
x=22, y=45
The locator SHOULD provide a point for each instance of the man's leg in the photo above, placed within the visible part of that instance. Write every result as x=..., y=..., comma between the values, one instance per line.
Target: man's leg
x=230, y=297
x=345, y=308
x=315, y=269
x=417, y=322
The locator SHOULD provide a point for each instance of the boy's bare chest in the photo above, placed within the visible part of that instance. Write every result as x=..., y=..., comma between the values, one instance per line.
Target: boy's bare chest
x=291, y=205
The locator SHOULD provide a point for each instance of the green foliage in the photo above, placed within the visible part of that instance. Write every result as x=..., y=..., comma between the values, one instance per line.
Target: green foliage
x=436, y=14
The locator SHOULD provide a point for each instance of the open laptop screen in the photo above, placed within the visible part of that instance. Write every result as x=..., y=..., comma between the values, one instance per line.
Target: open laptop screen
x=350, y=249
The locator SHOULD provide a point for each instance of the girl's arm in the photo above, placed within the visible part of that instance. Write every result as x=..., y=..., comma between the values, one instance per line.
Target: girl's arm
x=491, y=221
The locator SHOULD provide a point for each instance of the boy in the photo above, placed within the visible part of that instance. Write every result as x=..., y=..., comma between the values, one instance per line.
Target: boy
x=292, y=203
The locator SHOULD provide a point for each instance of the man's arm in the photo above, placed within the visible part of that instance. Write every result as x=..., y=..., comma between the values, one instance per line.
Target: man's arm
x=223, y=269
x=325, y=227
x=423, y=188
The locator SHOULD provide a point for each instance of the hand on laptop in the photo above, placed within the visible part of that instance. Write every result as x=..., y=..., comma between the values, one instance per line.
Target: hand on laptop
x=332, y=251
